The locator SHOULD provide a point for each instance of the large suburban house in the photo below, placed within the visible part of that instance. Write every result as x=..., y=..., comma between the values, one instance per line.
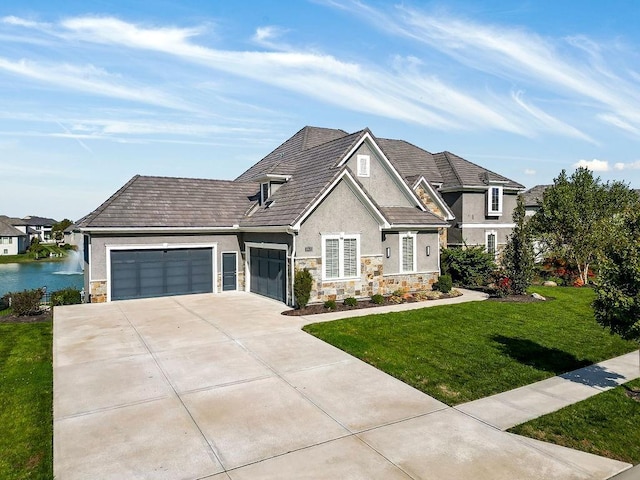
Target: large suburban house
x=41, y=227
x=364, y=215
x=13, y=240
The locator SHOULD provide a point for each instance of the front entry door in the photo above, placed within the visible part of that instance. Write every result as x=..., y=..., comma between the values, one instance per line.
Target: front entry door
x=229, y=265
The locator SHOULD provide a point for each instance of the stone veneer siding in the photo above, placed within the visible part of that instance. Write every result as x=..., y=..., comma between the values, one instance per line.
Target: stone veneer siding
x=98, y=291
x=372, y=281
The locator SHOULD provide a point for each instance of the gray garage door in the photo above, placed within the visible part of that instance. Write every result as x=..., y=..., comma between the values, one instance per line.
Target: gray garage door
x=158, y=273
x=268, y=272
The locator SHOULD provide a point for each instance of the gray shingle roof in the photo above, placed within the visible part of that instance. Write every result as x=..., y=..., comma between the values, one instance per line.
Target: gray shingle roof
x=410, y=161
x=39, y=221
x=533, y=195
x=8, y=230
x=174, y=202
x=458, y=172
x=411, y=216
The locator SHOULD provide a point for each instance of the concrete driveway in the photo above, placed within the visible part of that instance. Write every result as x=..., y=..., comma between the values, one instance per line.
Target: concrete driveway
x=224, y=387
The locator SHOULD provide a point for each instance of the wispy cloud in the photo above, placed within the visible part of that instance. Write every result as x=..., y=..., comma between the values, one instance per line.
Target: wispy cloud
x=268, y=36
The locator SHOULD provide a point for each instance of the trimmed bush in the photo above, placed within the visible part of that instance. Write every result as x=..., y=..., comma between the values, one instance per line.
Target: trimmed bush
x=445, y=283
x=302, y=284
x=26, y=302
x=67, y=296
x=330, y=305
x=377, y=299
x=469, y=266
x=350, y=302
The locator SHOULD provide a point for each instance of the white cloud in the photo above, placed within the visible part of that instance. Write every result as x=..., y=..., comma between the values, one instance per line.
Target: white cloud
x=594, y=165
x=627, y=166
x=529, y=171
x=22, y=22
x=266, y=36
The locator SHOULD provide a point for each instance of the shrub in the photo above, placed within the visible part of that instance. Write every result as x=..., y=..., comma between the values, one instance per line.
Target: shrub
x=302, y=284
x=518, y=255
x=350, y=302
x=4, y=302
x=26, y=302
x=330, y=305
x=377, y=299
x=468, y=265
x=503, y=286
x=444, y=283
x=67, y=296
x=397, y=296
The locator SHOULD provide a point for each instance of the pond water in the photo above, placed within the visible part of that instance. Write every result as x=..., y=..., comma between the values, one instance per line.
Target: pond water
x=15, y=277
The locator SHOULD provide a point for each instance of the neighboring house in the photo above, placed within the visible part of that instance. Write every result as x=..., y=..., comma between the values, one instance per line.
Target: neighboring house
x=532, y=199
x=365, y=215
x=42, y=227
x=73, y=235
x=12, y=240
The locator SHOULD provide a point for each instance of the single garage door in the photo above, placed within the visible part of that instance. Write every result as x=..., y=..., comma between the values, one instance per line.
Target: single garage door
x=158, y=273
x=268, y=272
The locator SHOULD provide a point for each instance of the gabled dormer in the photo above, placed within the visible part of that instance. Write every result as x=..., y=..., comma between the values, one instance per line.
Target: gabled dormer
x=269, y=185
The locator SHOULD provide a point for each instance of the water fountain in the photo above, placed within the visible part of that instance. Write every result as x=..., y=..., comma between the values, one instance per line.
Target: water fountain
x=73, y=264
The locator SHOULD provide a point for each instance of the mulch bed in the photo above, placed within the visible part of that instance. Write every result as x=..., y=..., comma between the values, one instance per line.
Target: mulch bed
x=43, y=316
x=340, y=307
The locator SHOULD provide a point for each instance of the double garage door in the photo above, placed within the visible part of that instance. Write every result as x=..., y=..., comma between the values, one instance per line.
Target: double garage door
x=159, y=273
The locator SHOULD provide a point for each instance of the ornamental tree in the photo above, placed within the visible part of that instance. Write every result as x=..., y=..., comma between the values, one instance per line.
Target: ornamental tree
x=518, y=256
x=574, y=219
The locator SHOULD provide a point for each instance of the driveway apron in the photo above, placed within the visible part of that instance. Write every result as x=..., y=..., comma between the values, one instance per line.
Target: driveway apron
x=225, y=387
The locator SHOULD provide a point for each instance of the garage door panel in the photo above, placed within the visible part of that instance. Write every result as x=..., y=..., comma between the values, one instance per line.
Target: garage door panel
x=154, y=273
x=268, y=267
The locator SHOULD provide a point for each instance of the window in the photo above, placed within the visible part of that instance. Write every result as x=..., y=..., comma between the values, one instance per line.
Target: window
x=491, y=242
x=340, y=256
x=264, y=192
x=5, y=240
x=494, y=201
x=363, y=165
x=6, y=252
x=407, y=252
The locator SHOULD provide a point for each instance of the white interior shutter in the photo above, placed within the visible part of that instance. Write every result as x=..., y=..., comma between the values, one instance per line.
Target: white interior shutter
x=332, y=258
x=350, y=257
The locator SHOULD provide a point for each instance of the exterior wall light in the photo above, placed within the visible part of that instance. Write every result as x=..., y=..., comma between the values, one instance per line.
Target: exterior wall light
x=388, y=252
x=428, y=250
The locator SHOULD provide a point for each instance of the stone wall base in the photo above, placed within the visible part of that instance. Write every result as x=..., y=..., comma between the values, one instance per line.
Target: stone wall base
x=372, y=281
x=98, y=291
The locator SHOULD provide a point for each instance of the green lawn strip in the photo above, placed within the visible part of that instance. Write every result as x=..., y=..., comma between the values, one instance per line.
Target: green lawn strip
x=606, y=424
x=458, y=353
x=26, y=385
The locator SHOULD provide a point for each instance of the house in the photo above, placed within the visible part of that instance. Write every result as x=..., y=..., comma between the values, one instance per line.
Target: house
x=42, y=227
x=73, y=235
x=532, y=199
x=364, y=215
x=12, y=240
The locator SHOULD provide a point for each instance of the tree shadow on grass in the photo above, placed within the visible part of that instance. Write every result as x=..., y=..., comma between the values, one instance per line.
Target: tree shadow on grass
x=538, y=356
x=557, y=361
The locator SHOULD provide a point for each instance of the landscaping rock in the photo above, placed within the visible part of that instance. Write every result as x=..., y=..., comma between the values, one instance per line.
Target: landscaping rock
x=549, y=283
x=537, y=296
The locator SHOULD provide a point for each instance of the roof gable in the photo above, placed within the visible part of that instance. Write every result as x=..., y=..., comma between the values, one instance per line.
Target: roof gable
x=8, y=230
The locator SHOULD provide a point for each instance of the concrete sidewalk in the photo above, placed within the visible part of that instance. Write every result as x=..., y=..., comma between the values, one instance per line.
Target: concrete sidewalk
x=508, y=409
x=224, y=387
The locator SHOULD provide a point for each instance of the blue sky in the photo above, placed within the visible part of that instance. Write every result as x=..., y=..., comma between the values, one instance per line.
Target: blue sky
x=94, y=92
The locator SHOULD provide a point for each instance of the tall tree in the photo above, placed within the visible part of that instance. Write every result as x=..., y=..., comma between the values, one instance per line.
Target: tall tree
x=518, y=256
x=57, y=230
x=575, y=216
x=617, y=303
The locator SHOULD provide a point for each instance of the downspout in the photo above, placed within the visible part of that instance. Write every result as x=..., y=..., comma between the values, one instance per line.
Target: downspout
x=293, y=267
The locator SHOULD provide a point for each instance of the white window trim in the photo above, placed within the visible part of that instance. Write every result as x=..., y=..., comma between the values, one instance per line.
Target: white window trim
x=364, y=165
x=263, y=200
x=486, y=240
x=415, y=249
x=341, y=237
x=490, y=211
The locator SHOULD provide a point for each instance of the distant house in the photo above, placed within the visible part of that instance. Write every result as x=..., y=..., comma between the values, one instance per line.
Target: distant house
x=364, y=215
x=532, y=199
x=73, y=235
x=41, y=226
x=12, y=240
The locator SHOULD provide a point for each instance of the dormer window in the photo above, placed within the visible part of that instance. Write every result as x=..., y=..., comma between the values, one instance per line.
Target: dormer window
x=265, y=192
x=494, y=201
x=363, y=165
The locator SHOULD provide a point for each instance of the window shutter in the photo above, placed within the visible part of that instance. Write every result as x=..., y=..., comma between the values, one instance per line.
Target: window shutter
x=407, y=254
x=350, y=257
x=363, y=165
x=332, y=254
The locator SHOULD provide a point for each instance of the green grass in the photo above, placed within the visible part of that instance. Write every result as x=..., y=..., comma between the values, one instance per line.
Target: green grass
x=606, y=424
x=28, y=257
x=26, y=384
x=458, y=353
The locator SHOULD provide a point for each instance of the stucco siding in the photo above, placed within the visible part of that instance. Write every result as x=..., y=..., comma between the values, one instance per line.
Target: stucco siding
x=341, y=211
x=424, y=263
x=379, y=184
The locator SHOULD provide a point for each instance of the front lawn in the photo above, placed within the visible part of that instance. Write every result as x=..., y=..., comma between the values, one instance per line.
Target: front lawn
x=606, y=424
x=26, y=384
x=458, y=353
